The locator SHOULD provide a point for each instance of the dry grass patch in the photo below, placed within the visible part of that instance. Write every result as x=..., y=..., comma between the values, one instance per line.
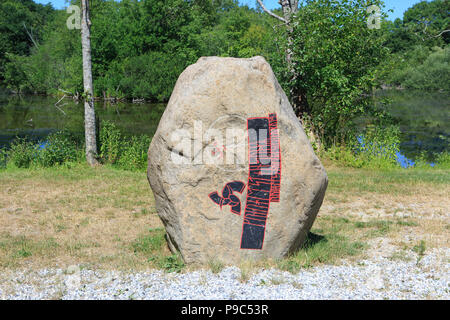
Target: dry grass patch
x=93, y=216
x=105, y=218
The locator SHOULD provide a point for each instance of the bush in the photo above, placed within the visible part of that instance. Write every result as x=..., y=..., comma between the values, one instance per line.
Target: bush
x=59, y=148
x=127, y=153
x=146, y=76
x=443, y=160
x=110, y=142
x=376, y=147
x=420, y=69
x=22, y=153
x=134, y=154
x=3, y=158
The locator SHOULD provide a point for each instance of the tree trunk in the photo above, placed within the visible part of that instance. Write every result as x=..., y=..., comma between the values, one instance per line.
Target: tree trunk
x=298, y=95
x=89, y=111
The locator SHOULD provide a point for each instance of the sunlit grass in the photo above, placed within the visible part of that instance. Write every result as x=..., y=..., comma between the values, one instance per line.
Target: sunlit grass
x=106, y=217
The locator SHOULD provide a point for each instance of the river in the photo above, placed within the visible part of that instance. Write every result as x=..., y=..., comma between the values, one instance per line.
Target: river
x=424, y=119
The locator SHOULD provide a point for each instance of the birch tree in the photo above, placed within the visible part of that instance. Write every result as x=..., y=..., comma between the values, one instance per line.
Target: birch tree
x=89, y=110
x=298, y=96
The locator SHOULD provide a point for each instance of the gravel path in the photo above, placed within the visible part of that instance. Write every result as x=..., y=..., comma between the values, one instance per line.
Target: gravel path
x=378, y=278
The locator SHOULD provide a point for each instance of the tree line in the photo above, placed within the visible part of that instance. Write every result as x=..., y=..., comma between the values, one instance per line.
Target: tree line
x=323, y=53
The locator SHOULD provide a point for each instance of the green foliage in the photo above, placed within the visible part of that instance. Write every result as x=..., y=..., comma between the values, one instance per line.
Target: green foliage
x=151, y=243
x=335, y=56
x=422, y=25
x=419, y=48
x=147, y=76
x=128, y=153
x=3, y=158
x=443, y=160
x=427, y=19
x=376, y=147
x=63, y=147
x=421, y=68
x=139, y=48
x=134, y=153
x=59, y=148
x=433, y=74
x=172, y=263
x=22, y=153
x=55, y=64
x=17, y=20
x=110, y=142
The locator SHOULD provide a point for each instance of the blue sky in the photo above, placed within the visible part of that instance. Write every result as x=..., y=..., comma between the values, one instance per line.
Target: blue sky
x=399, y=6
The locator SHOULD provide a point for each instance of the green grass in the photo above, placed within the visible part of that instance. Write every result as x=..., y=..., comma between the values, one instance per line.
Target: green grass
x=335, y=238
x=396, y=181
x=378, y=227
x=88, y=198
x=420, y=250
x=324, y=245
x=17, y=248
x=152, y=245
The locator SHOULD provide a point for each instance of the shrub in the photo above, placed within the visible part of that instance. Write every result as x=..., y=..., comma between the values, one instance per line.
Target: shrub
x=421, y=69
x=3, y=158
x=134, y=153
x=110, y=142
x=433, y=74
x=22, y=153
x=378, y=147
x=59, y=148
x=375, y=147
x=443, y=160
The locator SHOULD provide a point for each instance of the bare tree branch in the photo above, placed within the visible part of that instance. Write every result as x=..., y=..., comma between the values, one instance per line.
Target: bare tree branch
x=57, y=107
x=271, y=13
x=440, y=34
x=30, y=35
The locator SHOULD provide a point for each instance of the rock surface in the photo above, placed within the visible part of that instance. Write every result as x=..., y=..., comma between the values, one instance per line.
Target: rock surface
x=218, y=198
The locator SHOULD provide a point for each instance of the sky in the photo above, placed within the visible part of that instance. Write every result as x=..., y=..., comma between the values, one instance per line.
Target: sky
x=399, y=6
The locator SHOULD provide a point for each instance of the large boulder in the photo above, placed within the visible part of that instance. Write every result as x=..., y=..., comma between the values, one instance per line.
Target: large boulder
x=232, y=171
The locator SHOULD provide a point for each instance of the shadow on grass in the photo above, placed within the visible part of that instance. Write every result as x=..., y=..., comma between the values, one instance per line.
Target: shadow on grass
x=320, y=249
x=312, y=239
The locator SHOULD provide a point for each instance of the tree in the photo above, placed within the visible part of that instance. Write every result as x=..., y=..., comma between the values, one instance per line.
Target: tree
x=429, y=21
x=21, y=26
x=89, y=110
x=298, y=96
x=337, y=56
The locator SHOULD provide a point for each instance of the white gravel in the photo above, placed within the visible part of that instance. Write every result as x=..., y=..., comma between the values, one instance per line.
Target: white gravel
x=378, y=278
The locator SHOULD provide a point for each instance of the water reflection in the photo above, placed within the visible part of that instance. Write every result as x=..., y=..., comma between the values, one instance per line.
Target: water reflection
x=36, y=117
x=423, y=118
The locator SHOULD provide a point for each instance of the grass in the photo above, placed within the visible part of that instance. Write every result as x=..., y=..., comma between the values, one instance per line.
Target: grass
x=330, y=240
x=215, y=265
x=420, y=250
x=105, y=217
x=386, y=181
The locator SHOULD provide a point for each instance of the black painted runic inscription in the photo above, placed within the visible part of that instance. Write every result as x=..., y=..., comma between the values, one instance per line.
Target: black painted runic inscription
x=264, y=179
